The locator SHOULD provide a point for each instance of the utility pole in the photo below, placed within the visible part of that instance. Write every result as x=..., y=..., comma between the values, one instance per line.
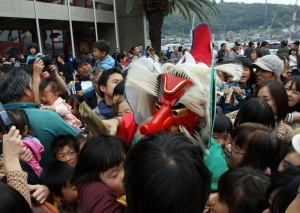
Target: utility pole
x=294, y=17
x=266, y=11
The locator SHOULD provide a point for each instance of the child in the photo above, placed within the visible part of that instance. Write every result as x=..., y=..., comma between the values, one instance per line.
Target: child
x=74, y=101
x=100, y=50
x=240, y=190
x=121, y=107
x=49, y=98
x=118, y=91
x=57, y=177
x=293, y=52
x=222, y=128
x=63, y=149
x=290, y=154
x=98, y=175
x=33, y=51
x=19, y=119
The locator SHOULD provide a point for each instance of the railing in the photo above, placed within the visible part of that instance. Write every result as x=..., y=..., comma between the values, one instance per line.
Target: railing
x=99, y=4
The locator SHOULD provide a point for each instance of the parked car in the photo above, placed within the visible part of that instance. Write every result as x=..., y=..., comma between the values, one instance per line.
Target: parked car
x=273, y=47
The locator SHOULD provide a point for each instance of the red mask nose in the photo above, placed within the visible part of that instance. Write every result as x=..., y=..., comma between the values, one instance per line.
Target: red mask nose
x=161, y=120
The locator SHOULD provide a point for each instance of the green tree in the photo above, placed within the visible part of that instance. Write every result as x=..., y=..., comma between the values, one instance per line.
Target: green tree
x=157, y=10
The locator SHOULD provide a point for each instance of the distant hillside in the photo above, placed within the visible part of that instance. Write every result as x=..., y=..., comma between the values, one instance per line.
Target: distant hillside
x=232, y=17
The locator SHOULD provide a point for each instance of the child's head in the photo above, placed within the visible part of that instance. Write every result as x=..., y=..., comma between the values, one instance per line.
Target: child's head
x=290, y=156
x=32, y=49
x=241, y=190
x=63, y=149
x=57, y=177
x=166, y=173
x=121, y=107
x=256, y=111
x=100, y=49
x=293, y=51
x=121, y=58
x=222, y=128
x=74, y=101
x=101, y=159
x=283, y=187
x=118, y=91
x=48, y=92
x=19, y=119
x=81, y=139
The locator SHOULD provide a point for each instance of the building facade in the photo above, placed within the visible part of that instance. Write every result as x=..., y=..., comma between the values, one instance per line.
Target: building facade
x=18, y=26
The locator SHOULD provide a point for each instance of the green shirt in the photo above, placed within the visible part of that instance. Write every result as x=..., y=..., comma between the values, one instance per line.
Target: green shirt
x=46, y=125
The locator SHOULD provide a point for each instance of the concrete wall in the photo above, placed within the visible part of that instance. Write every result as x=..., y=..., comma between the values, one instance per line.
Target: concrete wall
x=25, y=9
x=132, y=27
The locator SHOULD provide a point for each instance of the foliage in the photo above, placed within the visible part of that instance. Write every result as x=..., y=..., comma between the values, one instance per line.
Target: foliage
x=234, y=16
x=184, y=6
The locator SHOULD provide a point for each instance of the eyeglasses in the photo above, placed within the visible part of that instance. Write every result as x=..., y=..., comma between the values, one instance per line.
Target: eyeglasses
x=234, y=148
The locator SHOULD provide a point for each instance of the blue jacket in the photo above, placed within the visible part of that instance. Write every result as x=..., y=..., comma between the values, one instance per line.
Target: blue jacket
x=105, y=110
x=108, y=63
x=91, y=99
x=30, y=57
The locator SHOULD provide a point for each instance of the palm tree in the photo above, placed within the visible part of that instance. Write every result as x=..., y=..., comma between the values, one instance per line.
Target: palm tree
x=156, y=10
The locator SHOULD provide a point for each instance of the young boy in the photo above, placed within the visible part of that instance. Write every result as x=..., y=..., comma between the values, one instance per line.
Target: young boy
x=83, y=68
x=57, y=178
x=100, y=50
x=63, y=149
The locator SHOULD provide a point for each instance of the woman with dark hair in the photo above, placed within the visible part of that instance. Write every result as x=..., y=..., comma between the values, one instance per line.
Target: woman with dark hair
x=283, y=188
x=255, y=54
x=286, y=61
x=292, y=87
x=253, y=145
x=64, y=69
x=242, y=90
x=273, y=92
x=256, y=111
x=241, y=190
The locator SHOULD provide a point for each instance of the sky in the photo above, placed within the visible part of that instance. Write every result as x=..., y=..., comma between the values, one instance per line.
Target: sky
x=263, y=1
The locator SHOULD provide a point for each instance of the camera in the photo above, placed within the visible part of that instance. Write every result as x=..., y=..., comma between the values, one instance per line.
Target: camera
x=47, y=60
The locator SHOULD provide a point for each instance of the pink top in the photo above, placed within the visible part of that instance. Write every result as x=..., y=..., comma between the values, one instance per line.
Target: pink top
x=36, y=149
x=63, y=109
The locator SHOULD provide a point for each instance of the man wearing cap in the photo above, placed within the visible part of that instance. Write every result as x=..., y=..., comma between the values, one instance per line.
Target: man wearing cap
x=268, y=67
x=264, y=48
x=152, y=54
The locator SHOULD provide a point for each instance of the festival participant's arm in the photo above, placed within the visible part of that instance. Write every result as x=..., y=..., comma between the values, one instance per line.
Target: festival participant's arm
x=36, y=78
x=113, y=124
x=16, y=178
x=63, y=89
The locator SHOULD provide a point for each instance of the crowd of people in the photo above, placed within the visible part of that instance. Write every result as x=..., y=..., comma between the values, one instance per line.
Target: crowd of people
x=51, y=160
